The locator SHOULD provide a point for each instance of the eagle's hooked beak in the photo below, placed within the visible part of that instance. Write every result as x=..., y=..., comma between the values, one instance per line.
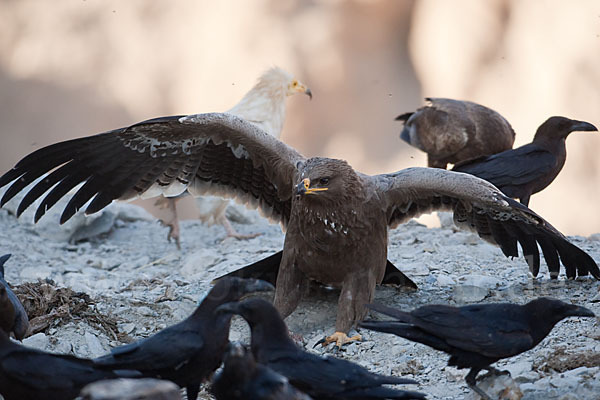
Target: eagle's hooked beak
x=304, y=188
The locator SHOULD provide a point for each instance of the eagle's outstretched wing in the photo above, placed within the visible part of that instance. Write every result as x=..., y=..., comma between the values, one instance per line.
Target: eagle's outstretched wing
x=204, y=153
x=481, y=207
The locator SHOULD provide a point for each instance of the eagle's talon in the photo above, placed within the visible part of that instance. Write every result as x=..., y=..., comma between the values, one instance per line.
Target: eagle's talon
x=340, y=339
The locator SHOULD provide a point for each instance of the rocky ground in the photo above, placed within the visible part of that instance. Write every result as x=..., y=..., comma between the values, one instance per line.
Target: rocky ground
x=137, y=283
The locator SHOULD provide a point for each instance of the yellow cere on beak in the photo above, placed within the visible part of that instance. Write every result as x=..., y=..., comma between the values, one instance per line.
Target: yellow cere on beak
x=310, y=190
x=299, y=87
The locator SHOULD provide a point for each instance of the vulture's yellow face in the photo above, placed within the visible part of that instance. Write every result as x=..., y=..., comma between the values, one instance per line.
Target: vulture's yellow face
x=296, y=86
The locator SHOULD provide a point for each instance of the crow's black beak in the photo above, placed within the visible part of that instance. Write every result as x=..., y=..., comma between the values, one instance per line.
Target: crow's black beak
x=582, y=312
x=583, y=126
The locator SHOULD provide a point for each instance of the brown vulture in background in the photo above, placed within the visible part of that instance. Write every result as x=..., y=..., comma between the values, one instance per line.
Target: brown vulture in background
x=337, y=219
x=521, y=172
x=450, y=131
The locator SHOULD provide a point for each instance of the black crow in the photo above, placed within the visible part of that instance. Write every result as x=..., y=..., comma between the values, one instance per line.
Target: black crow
x=477, y=335
x=243, y=379
x=321, y=377
x=529, y=169
x=20, y=324
x=188, y=352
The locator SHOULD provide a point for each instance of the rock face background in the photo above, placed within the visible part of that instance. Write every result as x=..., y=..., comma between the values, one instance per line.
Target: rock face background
x=74, y=68
x=137, y=283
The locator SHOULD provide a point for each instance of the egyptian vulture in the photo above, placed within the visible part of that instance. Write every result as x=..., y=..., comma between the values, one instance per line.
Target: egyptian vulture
x=264, y=106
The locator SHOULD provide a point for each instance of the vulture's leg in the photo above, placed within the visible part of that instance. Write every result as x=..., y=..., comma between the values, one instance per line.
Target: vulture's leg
x=291, y=285
x=231, y=232
x=472, y=382
x=357, y=290
x=525, y=200
x=172, y=221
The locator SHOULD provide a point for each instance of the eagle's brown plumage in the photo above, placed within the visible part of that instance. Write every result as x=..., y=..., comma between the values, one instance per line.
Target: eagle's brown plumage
x=337, y=219
x=451, y=131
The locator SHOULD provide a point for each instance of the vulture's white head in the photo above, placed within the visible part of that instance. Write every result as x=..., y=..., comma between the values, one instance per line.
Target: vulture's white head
x=264, y=104
x=279, y=81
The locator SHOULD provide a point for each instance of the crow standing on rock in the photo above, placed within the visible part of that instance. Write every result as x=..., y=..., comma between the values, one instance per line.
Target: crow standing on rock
x=478, y=335
x=450, y=131
x=188, y=352
x=337, y=218
x=529, y=169
x=322, y=377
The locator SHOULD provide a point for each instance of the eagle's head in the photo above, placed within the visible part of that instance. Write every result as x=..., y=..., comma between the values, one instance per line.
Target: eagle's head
x=327, y=181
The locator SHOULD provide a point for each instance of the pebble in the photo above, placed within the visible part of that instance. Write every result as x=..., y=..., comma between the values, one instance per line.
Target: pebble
x=131, y=389
x=38, y=341
x=469, y=294
x=93, y=344
x=482, y=281
x=445, y=280
x=195, y=263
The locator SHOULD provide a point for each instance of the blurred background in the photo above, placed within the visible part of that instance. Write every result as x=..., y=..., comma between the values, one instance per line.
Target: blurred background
x=71, y=68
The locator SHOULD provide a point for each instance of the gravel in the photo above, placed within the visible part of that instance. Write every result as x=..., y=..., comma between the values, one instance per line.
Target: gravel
x=120, y=257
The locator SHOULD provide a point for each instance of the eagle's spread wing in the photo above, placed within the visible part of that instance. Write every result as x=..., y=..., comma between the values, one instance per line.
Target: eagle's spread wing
x=212, y=153
x=481, y=207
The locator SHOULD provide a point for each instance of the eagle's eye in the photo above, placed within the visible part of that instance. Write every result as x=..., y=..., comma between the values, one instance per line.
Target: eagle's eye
x=324, y=181
x=294, y=83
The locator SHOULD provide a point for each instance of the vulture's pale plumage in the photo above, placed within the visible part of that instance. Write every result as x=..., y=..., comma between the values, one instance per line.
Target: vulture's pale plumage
x=451, y=131
x=264, y=106
x=337, y=219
